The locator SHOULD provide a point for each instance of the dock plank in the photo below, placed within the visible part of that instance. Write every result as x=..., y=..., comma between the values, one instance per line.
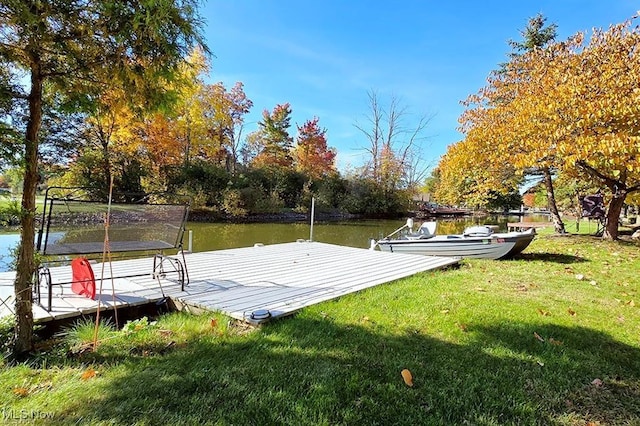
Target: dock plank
x=280, y=278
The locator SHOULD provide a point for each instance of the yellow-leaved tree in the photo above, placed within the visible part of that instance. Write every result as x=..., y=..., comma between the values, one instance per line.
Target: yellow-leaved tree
x=600, y=133
x=572, y=107
x=503, y=143
x=580, y=108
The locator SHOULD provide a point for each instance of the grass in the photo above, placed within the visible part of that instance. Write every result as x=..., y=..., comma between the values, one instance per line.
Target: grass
x=552, y=337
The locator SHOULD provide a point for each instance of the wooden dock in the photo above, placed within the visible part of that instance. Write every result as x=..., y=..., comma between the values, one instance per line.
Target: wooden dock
x=277, y=279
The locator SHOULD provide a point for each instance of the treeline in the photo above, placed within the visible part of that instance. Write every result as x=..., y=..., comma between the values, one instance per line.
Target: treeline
x=194, y=145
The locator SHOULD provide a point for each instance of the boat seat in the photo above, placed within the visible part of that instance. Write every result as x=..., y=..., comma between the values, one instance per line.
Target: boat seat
x=425, y=231
x=419, y=236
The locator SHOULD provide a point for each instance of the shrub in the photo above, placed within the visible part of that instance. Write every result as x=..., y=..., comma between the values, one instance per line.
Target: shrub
x=233, y=204
x=272, y=203
x=203, y=181
x=6, y=335
x=10, y=213
x=367, y=197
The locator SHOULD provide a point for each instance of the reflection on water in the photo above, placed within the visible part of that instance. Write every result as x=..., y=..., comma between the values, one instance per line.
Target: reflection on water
x=218, y=236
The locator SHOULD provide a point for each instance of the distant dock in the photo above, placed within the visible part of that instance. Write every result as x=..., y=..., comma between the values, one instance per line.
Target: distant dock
x=253, y=284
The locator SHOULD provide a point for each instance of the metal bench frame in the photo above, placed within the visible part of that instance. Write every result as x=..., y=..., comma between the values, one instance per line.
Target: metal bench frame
x=162, y=264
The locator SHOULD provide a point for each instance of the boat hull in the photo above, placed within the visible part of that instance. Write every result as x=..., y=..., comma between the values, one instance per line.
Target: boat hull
x=496, y=246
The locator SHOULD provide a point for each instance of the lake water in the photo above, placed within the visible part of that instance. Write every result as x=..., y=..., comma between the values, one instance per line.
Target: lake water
x=218, y=236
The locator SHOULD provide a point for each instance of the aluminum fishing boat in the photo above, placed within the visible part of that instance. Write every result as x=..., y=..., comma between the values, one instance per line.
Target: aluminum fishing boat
x=475, y=242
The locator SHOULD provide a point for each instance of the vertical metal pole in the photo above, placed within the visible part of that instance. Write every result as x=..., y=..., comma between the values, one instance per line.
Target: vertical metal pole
x=313, y=213
x=190, y=247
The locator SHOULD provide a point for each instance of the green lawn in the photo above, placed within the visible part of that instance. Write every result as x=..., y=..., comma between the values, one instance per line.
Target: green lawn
x=550, y=338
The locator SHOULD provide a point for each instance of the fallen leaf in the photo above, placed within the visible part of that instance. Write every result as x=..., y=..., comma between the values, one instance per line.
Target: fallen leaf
x=89, y=373
x=597, y=383
x=480, y=289
x=571, y=312
x=444, y=311
x=407, y=377
x=540, y=363
x=365, y=319
x=555, y=342
x=214, y=323
x=544, y=313
x=21, y=392
x=579, y=277
x=631, y=303
x=462, y=327
x=165, y=333
x=593, y=282
x=537, y=336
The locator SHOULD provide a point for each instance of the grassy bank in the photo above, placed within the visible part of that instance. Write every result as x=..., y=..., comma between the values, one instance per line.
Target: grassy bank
x=552, y=337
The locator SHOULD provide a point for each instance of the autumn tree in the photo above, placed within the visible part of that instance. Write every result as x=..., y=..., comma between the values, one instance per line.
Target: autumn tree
x=189, y=130
x=107, y=134
x=599, y=88
x=75, y=48
x=272, y=140
x=207, y=117
x=571, y=105
x=482, y=171
x=312, y=156
x=468, y=174
x=225, y=111
x=393, y=144
x=202, y=125
x=536, y=36
x=579, y=106
x=163, y=141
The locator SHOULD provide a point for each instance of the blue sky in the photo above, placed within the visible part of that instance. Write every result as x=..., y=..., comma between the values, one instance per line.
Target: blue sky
x=323, y=57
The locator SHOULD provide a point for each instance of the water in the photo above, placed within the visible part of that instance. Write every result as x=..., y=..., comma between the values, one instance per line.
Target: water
x=218, y=236
x=8, y=242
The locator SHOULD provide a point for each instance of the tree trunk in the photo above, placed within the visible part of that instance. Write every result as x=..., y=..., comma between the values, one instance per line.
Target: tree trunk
x=26, y=267
x=551, y=202
x=613, y=215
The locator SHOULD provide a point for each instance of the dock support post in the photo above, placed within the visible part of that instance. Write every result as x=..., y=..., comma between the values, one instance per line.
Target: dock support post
x=313, y=213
